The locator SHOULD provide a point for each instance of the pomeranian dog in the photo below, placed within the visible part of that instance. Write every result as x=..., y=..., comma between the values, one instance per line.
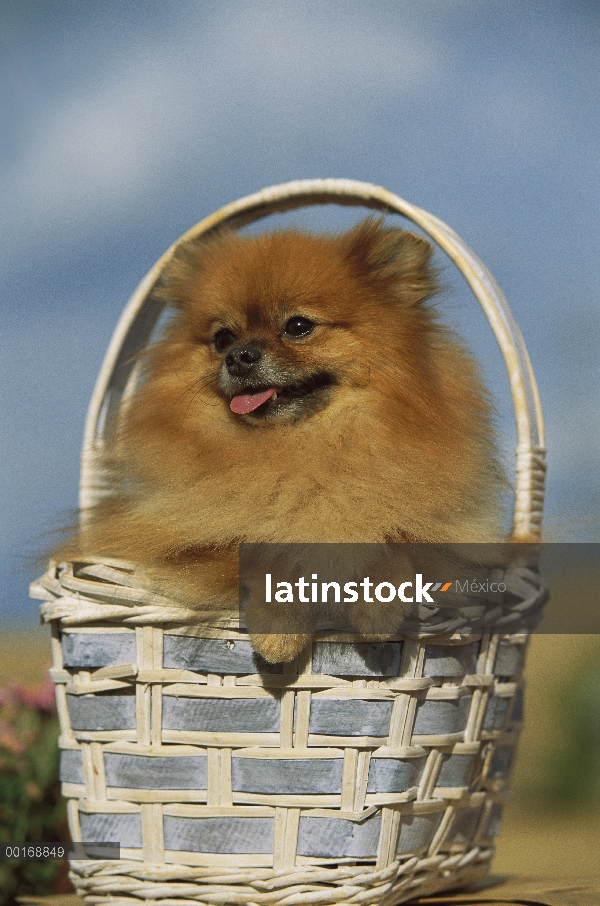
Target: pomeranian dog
x=305, y=390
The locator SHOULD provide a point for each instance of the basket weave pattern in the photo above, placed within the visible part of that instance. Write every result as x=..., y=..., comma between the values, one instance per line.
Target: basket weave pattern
x=363, y=773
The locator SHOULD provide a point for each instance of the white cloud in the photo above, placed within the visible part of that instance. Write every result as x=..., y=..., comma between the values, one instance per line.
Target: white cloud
x=266, y=68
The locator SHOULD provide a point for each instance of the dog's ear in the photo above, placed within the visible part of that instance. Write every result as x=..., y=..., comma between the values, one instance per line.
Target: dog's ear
x=188, y=262
x=391, y=259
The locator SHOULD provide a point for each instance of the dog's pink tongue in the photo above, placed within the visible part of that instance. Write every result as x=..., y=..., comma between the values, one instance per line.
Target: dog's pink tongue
x=248, y=402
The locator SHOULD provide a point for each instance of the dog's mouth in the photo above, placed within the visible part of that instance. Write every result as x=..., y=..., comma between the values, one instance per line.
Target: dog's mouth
x=262, y=401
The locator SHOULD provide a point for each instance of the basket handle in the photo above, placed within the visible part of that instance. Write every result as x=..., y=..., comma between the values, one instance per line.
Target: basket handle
x=119, y=370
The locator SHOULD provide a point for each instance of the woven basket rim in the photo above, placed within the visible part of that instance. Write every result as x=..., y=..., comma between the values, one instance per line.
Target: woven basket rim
x=93, y=591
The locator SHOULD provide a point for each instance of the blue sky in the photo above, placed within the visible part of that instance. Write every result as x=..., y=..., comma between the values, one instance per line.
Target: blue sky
x=124, y=123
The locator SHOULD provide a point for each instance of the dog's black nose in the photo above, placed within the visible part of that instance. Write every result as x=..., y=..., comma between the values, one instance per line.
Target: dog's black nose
x=241, y=360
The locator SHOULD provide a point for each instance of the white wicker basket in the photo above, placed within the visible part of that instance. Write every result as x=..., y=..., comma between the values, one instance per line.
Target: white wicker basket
x=360, y=773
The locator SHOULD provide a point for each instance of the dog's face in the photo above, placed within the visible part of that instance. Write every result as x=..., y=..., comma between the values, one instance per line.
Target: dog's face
x=280, y=326
x=264, y=374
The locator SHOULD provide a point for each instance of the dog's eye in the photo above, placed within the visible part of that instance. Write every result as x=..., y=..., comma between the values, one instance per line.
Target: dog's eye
x=298, y=327
x=223, y=339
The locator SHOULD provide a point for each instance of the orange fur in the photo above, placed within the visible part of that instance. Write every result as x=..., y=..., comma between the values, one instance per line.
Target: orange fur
x=399, y=446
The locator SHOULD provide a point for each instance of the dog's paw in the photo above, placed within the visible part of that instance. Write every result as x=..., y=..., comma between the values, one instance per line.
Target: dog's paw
x=277, y=649
x=378, y=620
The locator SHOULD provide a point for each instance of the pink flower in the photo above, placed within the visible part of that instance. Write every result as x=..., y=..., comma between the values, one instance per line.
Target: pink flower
x=7, y=698
x=41, y=697
x=9, y=741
